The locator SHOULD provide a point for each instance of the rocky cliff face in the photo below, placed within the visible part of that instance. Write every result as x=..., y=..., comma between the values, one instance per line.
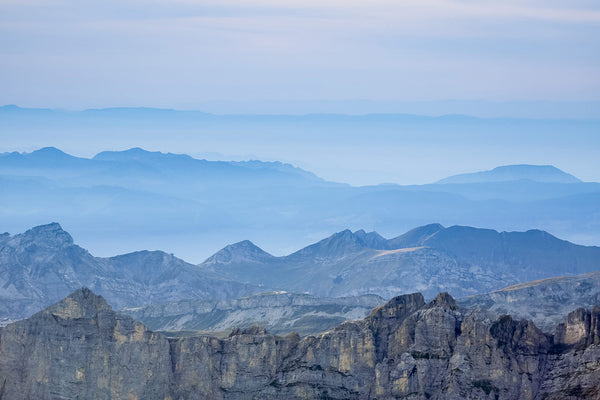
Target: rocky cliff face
x=279, y=312
x=80, y=348
x=546, y=302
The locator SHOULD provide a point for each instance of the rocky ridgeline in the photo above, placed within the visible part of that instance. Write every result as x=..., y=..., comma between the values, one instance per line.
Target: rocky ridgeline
x=546, y=302
x=43, y=265
x=80, y=348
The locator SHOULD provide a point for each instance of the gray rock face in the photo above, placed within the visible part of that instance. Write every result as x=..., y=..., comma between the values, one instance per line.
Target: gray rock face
x=79, y=348
x=280, y=313
x=43, y=265
x=546, y=302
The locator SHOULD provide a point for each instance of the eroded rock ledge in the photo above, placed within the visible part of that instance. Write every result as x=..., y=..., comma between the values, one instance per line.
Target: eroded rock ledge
x=80, y=348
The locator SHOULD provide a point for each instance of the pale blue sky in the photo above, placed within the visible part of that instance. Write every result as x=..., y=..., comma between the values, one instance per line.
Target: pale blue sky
x=189, y=54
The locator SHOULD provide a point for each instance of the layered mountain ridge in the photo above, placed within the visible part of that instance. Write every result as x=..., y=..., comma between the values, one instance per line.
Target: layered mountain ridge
x=39, y=266
x=406, y=348
x=43, y=265
x=458, y=259
x=545, y=302
x=189, y=206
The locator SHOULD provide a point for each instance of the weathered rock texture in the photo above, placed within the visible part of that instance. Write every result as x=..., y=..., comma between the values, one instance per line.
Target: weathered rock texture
x=279, y=312
x=80, y=348
x=546, y=302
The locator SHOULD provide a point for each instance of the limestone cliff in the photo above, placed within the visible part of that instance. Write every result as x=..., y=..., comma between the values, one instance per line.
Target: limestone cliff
x=80, y=348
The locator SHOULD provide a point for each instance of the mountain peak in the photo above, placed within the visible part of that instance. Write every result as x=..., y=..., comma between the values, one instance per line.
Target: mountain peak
x=505, y=173
x=50, y=154
x=83, y=303
x=50, y=235
x=444, y=300
x=372, y=239
x=137, y=154
x=240, y=252
x=415, y=237
x=337, y=245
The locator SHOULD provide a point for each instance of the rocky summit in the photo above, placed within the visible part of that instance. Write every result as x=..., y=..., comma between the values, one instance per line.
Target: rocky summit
x=407, y=349
x=43, y=265
x=460, y=260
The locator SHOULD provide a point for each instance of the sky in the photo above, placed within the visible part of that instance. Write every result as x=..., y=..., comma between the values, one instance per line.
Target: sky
x=214, y=54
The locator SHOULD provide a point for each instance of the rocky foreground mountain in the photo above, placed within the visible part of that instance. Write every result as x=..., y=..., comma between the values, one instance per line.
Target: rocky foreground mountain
x=43, y=265
x=460, y=260
x=279, y=312
x=407, y=348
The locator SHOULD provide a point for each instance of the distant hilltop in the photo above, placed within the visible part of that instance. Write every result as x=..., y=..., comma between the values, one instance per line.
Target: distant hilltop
x=505, y=173
x=537, y=173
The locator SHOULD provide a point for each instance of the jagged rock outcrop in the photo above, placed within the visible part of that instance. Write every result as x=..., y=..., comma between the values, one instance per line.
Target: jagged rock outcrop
x=80, y=348
x=580, y=329
x=406, y=349
x=546, y=302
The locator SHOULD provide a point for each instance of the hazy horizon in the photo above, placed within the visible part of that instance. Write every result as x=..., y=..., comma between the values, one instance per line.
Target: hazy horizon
x=360, y=150
x=211, y=156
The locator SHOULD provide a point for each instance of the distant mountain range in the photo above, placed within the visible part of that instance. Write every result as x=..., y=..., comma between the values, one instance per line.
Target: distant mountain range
x=41, y=265
x=190, y=207
x=460, y=260
x=536, y=173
